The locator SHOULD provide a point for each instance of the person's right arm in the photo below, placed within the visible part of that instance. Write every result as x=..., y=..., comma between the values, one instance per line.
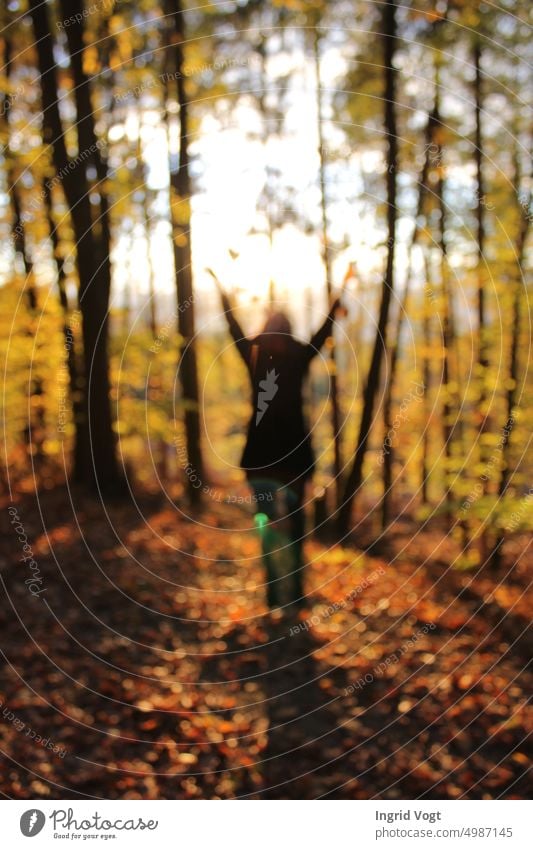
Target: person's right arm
x=241, y=341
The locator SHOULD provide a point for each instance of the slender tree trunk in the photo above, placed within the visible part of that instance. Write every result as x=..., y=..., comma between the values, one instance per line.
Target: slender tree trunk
x=180, y=187
x=448, y=330
x=482, y=355
x=388, y=457
x=388, y=28
x=426, y=379
x=151, y=273
x=152, y=388
x=480, y=221
x=92, y=239
x=74, y=378
x=35, y=429
x=452, y=427
x=326, y=256
x=514, y=371
x=128, y=300
x=20, y=244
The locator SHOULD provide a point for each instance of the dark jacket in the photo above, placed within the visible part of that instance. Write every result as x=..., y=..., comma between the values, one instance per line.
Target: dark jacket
x=278, y=444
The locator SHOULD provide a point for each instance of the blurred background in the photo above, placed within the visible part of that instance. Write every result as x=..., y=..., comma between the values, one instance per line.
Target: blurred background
x=298, y=149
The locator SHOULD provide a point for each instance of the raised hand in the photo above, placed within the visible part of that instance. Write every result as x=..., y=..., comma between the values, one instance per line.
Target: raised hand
x=337, y=307
x=215, y=278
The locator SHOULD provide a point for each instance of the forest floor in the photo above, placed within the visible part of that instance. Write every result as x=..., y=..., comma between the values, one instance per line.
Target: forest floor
x=150, y=667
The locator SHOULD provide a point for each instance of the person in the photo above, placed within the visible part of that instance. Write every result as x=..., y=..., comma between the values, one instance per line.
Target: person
x=278, y=457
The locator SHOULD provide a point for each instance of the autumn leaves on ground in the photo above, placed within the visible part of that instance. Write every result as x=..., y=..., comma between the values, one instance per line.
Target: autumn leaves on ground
x=150, y=668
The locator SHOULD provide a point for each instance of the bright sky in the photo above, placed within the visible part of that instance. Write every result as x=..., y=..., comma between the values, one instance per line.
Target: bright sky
x=233, y=166
x=225, y=209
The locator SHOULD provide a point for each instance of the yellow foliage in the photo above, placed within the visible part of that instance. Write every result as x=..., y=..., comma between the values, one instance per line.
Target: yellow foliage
x=91, y=61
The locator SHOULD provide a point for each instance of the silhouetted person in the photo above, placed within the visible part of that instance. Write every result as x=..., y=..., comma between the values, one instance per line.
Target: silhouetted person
x=278, y=457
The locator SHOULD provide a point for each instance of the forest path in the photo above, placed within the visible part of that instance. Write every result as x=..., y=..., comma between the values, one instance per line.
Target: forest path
x=150, y=658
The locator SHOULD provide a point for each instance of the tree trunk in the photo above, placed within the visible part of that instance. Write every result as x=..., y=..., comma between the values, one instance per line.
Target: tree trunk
x=426, y=379
x=353, y=483
x=92, y=240
x=388, y=457
x=482, y=356
x=94, y=299
x=151, y=273
x=180, y=189
x=74, y=377
x=448, y=329
x=480, y=222
x=326, y=256
x=516, y=323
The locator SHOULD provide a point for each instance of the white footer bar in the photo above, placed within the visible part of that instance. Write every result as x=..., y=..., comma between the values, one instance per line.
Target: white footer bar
x=268, y=825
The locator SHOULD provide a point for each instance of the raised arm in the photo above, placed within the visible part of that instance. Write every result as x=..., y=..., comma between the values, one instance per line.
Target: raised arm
x=241, y=341
x=318, y=339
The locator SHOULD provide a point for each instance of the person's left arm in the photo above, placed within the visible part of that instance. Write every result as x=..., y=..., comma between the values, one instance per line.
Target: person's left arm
x=324, y=332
